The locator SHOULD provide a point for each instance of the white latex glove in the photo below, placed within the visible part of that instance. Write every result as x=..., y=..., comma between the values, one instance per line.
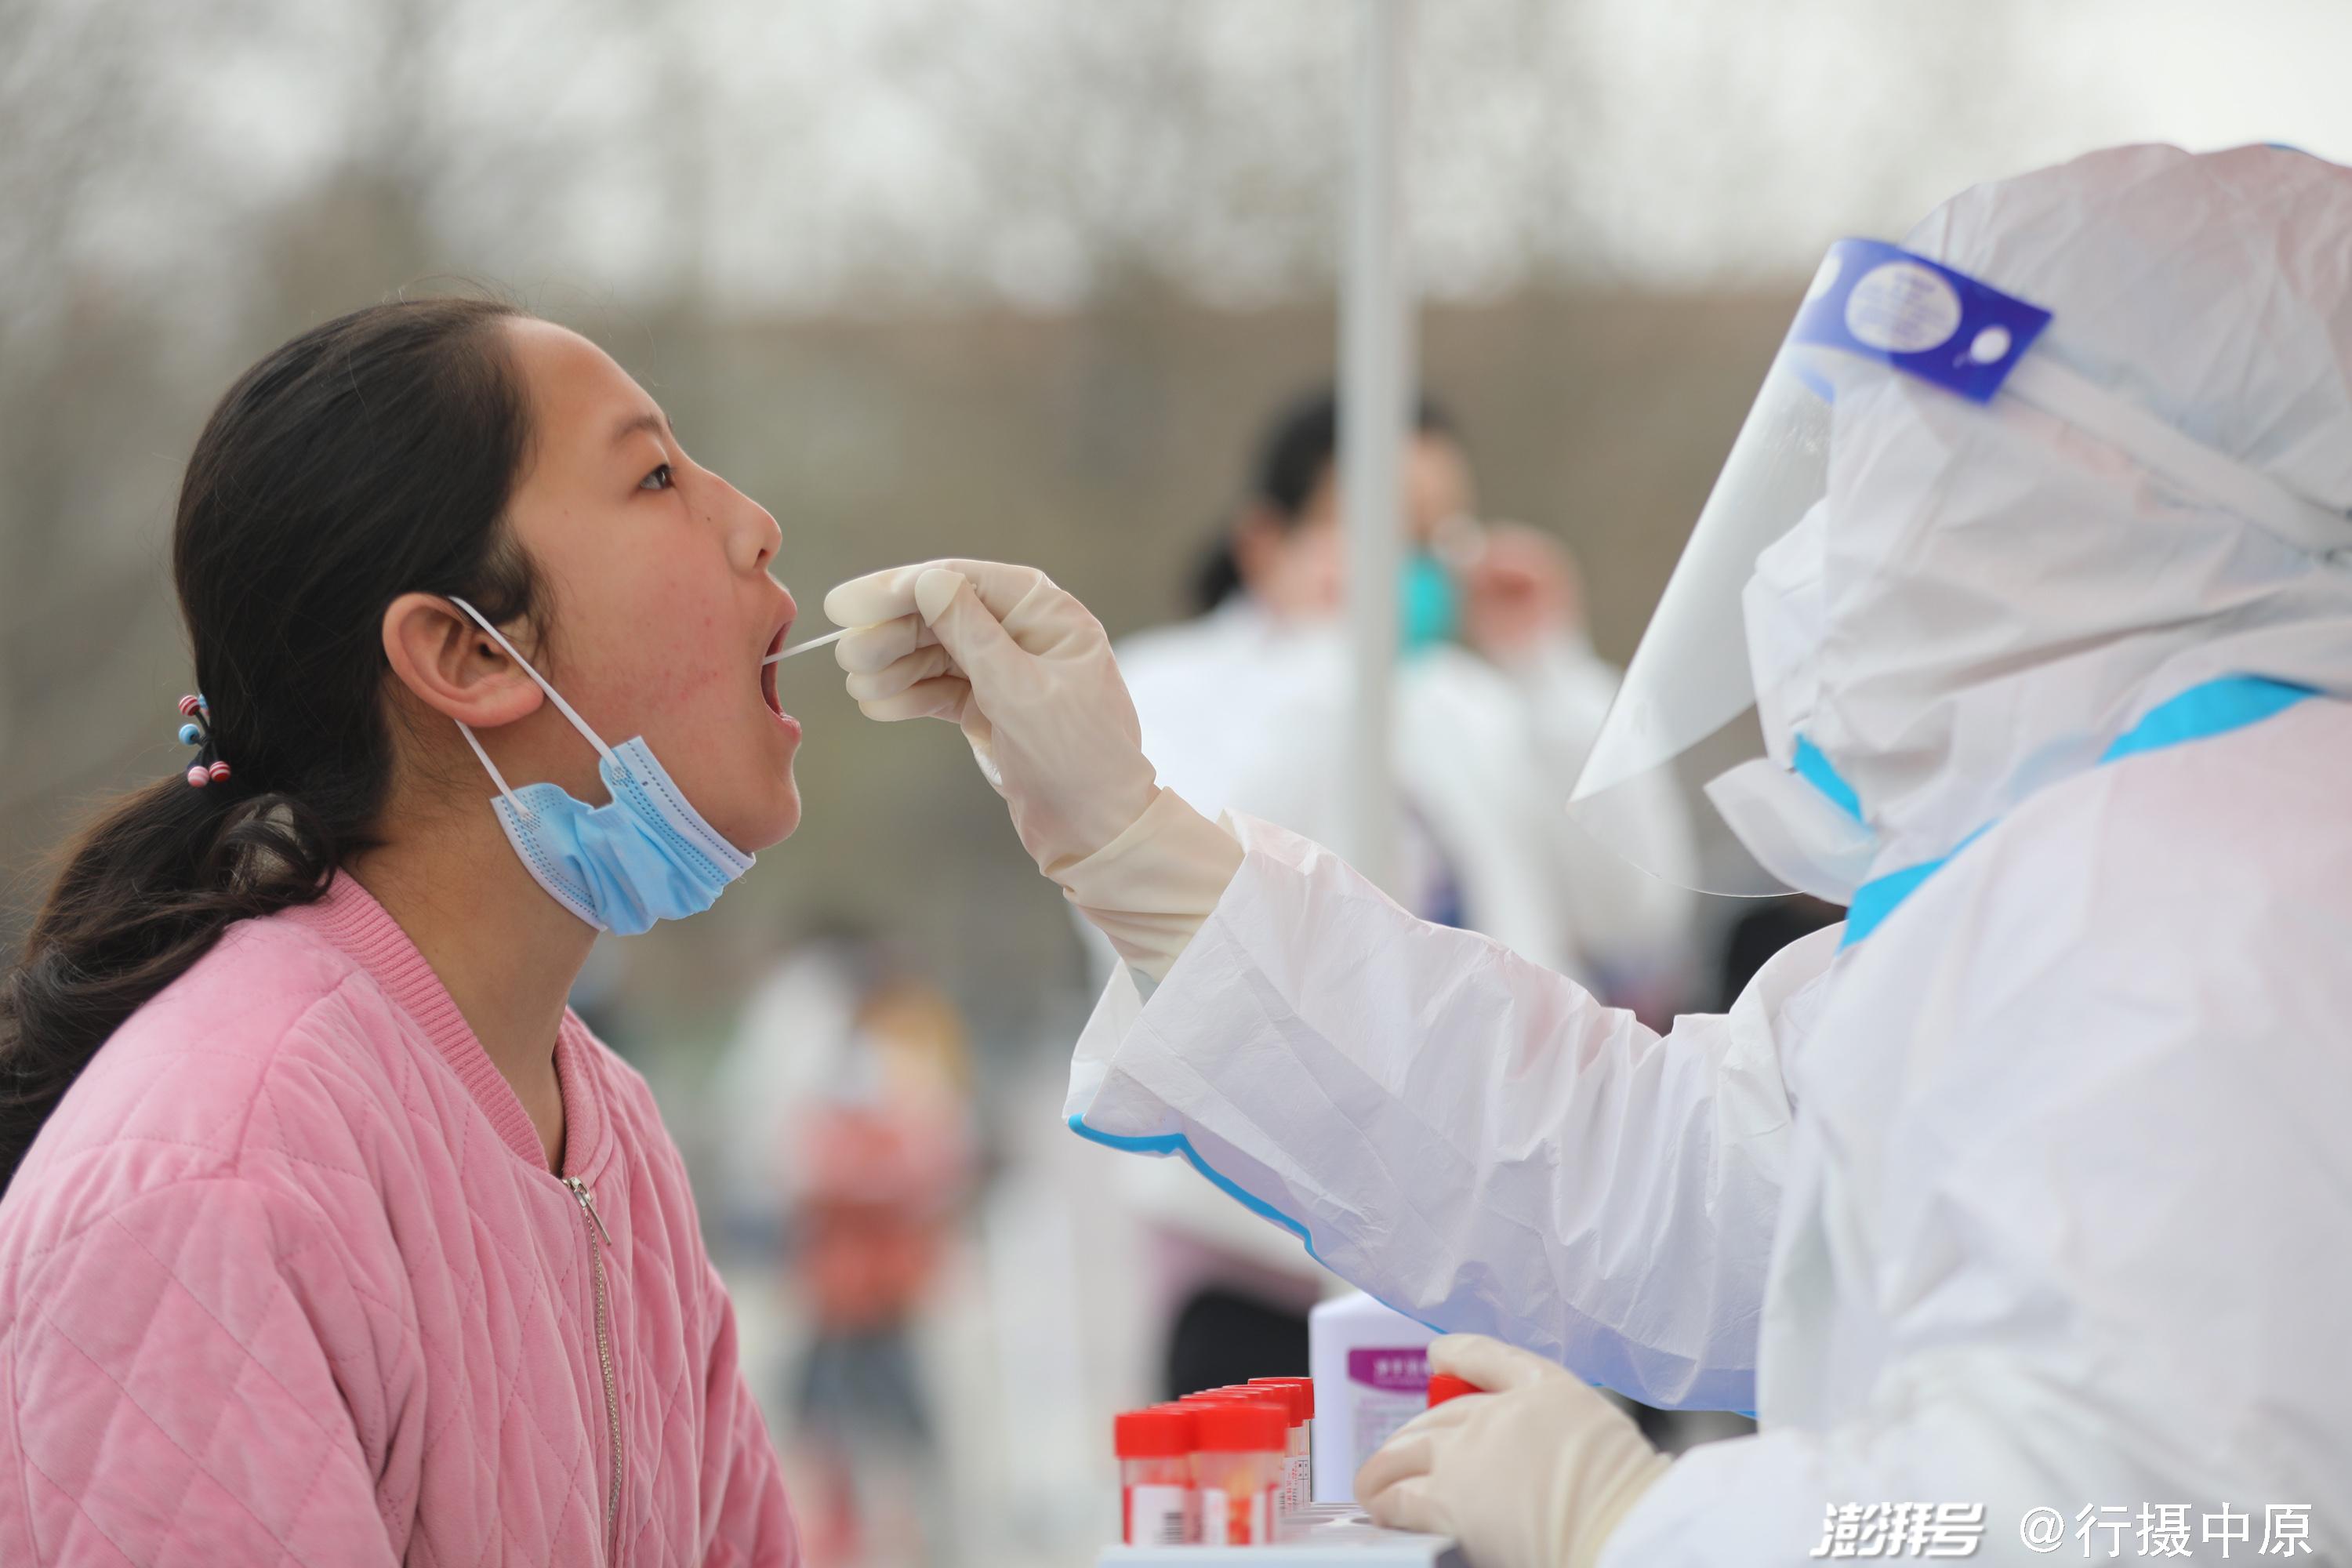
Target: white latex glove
x=1534, y=1473
x=1027, y=673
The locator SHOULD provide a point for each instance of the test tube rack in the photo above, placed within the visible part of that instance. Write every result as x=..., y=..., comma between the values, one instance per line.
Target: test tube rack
x=1325, y=1535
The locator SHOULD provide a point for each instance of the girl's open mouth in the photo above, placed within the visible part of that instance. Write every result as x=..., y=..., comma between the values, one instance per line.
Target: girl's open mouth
x=768, y=673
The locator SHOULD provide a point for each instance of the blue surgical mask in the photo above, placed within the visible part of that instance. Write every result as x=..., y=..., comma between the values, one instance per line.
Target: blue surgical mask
x=1429, y=604
x=645, y=856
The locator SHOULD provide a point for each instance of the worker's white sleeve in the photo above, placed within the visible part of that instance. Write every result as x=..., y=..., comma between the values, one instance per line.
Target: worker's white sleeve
x=1471, y=1138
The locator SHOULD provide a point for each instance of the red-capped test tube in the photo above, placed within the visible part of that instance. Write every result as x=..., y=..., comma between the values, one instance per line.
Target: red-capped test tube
x=1239, y=1392
x=1156, y=1502
x=1445, y=1385
x=1298, y=1453
x=1237, y=1469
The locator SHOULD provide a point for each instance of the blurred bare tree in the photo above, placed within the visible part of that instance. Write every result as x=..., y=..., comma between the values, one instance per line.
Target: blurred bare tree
x=78, y=373
x=1018, y=276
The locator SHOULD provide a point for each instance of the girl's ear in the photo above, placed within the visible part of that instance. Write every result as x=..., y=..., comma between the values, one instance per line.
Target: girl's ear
x=453, y=666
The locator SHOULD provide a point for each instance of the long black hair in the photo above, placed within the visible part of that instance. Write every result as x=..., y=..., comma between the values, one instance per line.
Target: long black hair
x=369, y=457
x=1294, y=451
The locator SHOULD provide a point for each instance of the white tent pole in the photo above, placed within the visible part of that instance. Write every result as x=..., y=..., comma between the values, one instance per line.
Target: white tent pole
x=1376, y=394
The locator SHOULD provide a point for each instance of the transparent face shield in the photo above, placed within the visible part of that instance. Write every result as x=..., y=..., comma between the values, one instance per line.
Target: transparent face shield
x=1709, y=727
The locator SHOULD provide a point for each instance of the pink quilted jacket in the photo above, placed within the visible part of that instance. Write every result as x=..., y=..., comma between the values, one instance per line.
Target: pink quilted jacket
x=286, y=1279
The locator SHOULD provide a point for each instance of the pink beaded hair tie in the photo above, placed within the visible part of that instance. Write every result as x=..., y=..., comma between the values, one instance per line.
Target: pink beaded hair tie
x=197, y=732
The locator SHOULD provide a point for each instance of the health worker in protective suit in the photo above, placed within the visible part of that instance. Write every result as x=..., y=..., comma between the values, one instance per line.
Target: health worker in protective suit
x=2029, y=1185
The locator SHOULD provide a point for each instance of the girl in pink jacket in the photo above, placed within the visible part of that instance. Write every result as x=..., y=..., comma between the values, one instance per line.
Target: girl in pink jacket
x=330, y=1236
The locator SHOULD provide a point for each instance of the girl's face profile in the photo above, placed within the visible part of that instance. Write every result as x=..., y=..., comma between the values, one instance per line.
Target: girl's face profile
x=657, y=575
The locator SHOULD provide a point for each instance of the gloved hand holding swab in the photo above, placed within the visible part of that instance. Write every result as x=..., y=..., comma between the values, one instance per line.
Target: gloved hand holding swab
x=829, y=639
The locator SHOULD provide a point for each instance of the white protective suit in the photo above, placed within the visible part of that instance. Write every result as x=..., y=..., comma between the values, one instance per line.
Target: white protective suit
x=1244, y=712
x=2041, y=1195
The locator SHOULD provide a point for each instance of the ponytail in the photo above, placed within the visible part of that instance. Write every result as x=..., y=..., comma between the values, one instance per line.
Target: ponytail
x=145, y=892
x=1216, y=576
x=369, y=457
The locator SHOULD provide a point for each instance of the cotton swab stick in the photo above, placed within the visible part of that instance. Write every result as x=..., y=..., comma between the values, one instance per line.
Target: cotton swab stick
x=829, y=639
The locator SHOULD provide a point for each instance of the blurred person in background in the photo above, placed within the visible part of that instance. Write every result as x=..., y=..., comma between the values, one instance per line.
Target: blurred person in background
x=329, y=1233
x=1498, y=697
x=847, y=1096
x=1247, y=707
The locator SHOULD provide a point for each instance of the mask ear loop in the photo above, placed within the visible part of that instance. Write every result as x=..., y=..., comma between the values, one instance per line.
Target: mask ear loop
x=553, y=696
x=496, y=777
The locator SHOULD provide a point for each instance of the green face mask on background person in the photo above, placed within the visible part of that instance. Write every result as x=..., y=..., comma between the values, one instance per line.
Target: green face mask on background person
x=1429, y=604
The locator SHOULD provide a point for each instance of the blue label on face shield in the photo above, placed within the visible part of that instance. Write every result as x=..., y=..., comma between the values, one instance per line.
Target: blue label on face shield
x=1879, y=301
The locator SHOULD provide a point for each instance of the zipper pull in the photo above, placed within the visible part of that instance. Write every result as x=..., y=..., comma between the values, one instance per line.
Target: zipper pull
x=588, y=1205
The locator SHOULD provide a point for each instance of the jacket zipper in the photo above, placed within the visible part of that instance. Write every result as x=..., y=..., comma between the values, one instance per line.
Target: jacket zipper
x=604, y=1359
